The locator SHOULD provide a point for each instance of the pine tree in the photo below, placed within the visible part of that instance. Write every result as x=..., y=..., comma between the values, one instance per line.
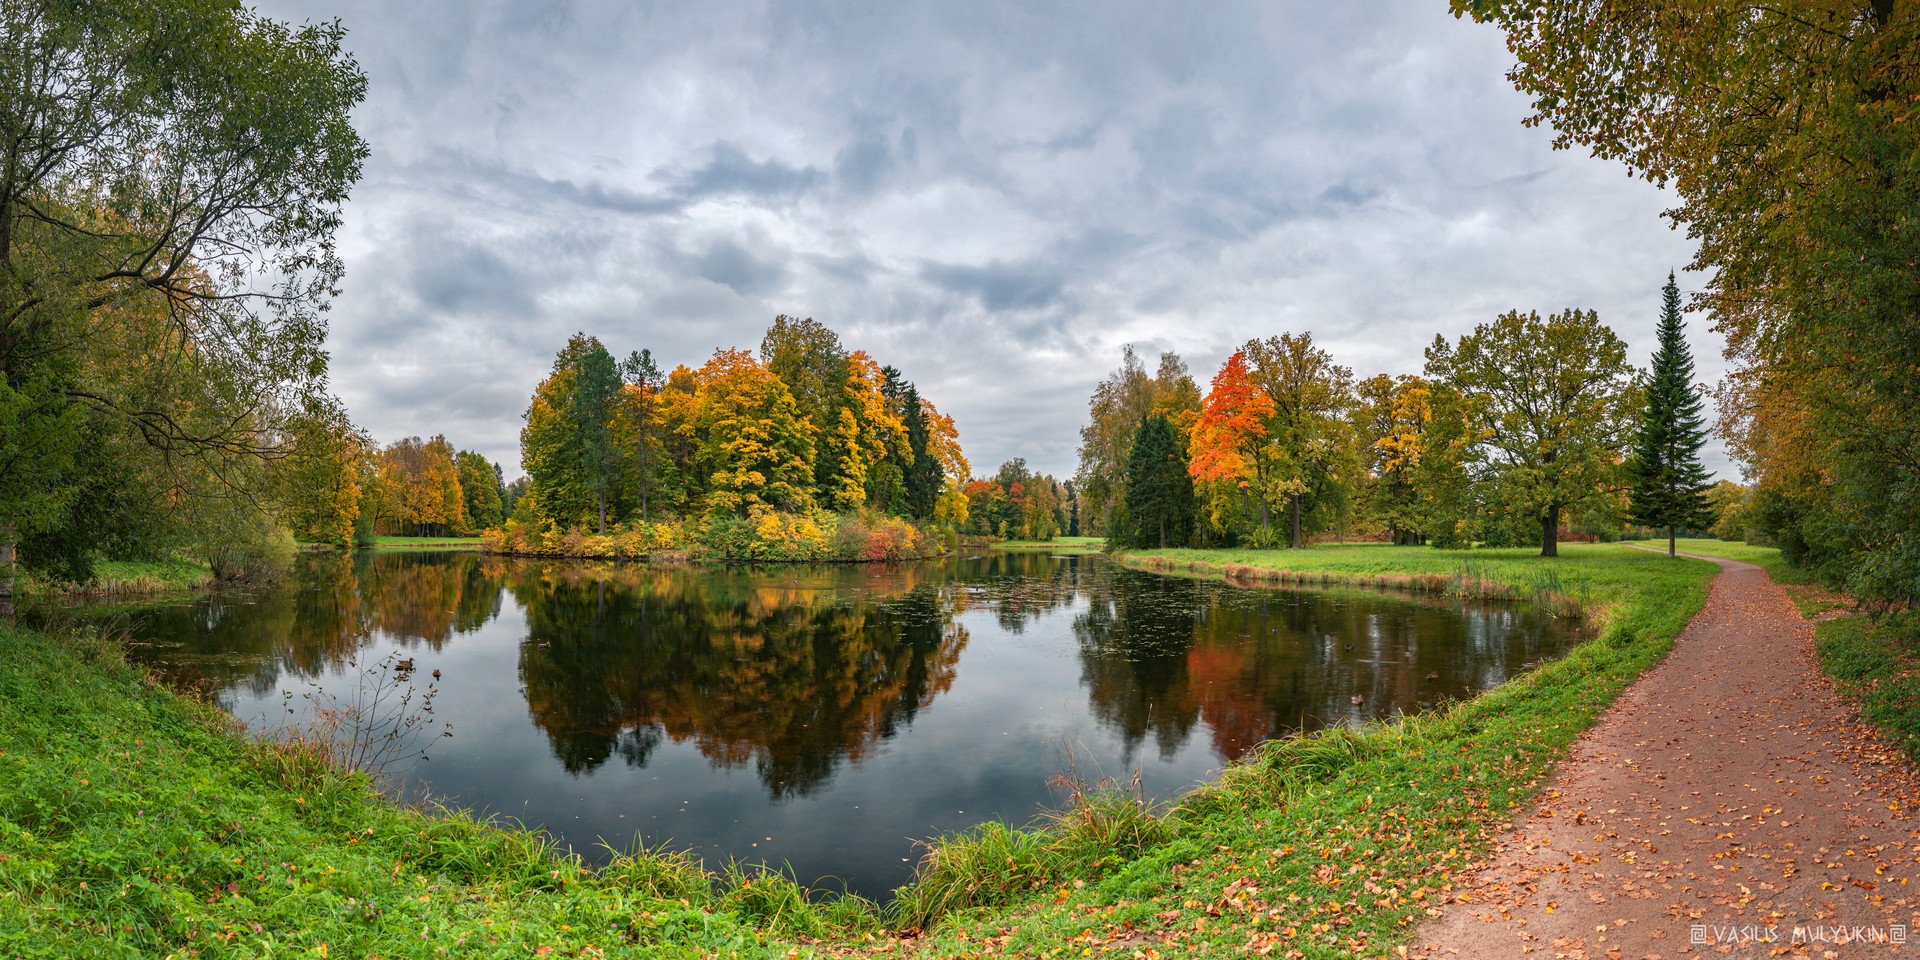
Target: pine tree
x=923, y=473
x=596, y=382
x=1159, y=496
x=1669, y=484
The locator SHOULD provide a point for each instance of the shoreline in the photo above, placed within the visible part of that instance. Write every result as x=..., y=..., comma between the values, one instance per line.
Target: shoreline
x=1103, y=853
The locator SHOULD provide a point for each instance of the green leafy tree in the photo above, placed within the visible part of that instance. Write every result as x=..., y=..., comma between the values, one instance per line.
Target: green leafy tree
x=809, y=359
x=1669, y=485
x=1786, y=131
x=1160, y=504
x=558, y=490
x=1728, y=502
x=1551, y=401
x=481, y=488
x=161, y=157
x=1307, y=440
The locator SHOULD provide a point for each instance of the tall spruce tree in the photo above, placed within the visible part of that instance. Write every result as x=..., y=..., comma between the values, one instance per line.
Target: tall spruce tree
x=1159, y=495
x=596, y=384
x=923, y=474
x=1669, y=484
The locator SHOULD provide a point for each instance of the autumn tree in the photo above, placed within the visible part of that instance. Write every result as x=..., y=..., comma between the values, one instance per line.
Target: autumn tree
x=421, y=483
x=1668, y=483
x=753, y=446
x=1306, y=432
x=1555, y=401
x=1159, y=489
x=1391, y=419
x=1230, y=432
x=319, y=483
x=867, y=439
x=172, y=180
x=943, y=445
x=1114, y=413
x=1786, y=131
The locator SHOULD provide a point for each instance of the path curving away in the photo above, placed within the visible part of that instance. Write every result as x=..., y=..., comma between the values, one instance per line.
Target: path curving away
x=1729, y=794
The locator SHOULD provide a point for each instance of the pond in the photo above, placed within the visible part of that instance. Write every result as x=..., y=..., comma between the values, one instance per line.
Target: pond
x=824, y=718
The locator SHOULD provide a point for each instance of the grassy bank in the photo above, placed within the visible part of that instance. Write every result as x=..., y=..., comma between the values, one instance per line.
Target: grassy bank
x=1875, y=662
x=135, y=823
x=128, y=580
x=142, y=822
x=428, y=543
x=1056, y=545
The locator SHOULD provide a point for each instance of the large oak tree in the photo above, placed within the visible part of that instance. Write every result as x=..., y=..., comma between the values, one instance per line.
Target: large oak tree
x=1552, y=400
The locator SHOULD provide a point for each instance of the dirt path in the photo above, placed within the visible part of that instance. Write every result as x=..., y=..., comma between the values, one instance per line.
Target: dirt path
x=1729, y=795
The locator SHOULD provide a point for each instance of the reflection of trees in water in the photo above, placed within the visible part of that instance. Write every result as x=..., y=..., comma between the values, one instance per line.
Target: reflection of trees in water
x=795, y=671
x=1021, y=586
x=1161, y=654
x=331, y=607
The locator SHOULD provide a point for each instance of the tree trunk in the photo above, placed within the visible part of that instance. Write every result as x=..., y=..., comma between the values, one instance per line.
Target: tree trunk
x=1550, y=532
x=1266, y=519
x=603, y=512
x=1293, y=538
x=1163, y=533
x=1670, y=539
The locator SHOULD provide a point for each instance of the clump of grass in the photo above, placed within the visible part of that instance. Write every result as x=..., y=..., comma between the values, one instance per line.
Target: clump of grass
x=988, y=865
x=1103, y=823
x=658, y=872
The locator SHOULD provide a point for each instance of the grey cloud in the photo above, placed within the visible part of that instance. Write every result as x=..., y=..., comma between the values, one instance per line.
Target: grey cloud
x=999, y=285
x=729, y=170
x=982, y=194
x=726, y=262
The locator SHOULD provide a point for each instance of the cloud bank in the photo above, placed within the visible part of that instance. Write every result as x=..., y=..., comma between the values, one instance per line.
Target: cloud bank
x=994, y=197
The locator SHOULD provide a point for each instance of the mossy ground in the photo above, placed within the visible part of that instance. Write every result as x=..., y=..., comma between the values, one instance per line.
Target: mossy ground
x=136, y=823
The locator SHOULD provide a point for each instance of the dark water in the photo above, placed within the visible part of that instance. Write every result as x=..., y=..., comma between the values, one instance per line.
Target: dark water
x=826, y=717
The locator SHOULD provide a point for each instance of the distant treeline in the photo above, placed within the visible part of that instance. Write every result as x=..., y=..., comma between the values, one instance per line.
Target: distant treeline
x=1517, y=433
x=806, y=451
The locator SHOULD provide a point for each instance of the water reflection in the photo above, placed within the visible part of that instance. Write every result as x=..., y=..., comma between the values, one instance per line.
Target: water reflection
x=822, y=716
x=795, y=672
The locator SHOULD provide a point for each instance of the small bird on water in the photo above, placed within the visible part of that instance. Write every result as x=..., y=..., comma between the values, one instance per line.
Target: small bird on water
x=1358, y=700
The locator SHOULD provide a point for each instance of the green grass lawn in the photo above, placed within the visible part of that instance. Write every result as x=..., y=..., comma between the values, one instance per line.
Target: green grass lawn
x=1057, y=544
x=1802, y=587
x=427, y=543
x=137, y=824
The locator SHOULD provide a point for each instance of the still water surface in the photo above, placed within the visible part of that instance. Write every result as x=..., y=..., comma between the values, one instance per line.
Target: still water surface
x=826, y=717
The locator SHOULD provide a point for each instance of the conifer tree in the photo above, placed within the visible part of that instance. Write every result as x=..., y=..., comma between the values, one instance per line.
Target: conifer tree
x=1159, y=491
x=923, y=473
x=1669, y=484
x=596, y=383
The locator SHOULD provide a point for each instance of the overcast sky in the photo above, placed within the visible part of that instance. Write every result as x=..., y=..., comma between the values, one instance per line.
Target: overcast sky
x=992, y=196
